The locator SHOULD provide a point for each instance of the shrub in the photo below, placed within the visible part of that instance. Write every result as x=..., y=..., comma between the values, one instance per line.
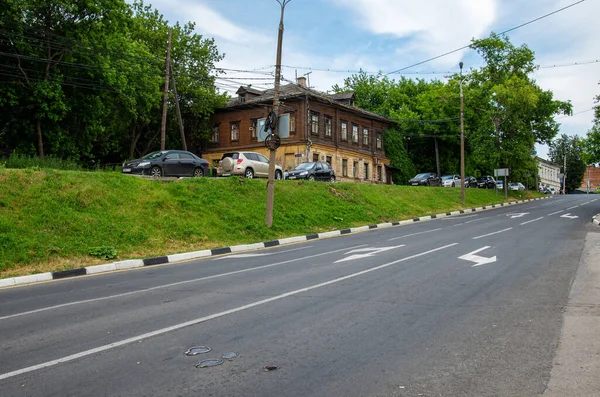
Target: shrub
x=104, y=252
x=17, y=160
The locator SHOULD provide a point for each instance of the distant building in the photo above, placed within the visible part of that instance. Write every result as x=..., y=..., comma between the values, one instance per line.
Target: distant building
x=314, y=127
x=592, y=174
x=548, y=174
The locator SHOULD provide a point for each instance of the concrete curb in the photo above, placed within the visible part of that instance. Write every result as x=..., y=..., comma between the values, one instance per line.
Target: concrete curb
x=160, y=260
x=596, y=220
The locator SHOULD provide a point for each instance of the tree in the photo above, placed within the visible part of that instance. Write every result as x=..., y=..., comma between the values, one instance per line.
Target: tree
x=572, y=148
x=591, y=145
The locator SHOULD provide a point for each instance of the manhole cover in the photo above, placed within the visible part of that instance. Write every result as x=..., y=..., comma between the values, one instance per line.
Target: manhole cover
x=230, y=355
x=194, y=351
x=209, y=363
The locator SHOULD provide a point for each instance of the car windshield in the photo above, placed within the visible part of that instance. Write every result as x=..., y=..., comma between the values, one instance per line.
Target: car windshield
x=482, y=179
x=421, y=176
x=305, y=166
x=153, y=155
x=446, y=177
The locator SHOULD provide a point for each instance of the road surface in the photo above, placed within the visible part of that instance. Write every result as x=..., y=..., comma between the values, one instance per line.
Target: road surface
x=463, y=306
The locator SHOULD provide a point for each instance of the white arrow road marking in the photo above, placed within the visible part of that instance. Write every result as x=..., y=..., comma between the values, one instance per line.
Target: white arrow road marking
x=369, y=252
x=479, y=260
x=569, y=216
x=517, y=215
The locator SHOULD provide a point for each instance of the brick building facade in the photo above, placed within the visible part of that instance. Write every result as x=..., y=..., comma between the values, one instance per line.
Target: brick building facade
x=591, y=174
x=321, y=127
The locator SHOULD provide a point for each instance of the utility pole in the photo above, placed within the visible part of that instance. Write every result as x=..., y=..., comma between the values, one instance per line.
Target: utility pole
x=272, y=143
x=462, y=139
x=181, y=131
x=565, y=177
x=437, y=157
x=163, y=125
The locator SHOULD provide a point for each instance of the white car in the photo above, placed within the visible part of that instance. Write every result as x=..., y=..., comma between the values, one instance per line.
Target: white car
x=247, y=164
x=451, y=181
x=516, y=186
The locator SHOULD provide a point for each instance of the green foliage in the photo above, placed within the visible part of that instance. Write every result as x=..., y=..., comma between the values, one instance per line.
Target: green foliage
x=572, y=148
x=49, y=162
x=50, y=219
x=103, y=252
x=591, y=145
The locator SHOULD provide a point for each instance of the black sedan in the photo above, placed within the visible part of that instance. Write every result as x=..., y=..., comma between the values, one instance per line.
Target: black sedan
x=486, y=182
x=426, y=179
x=318, y=170
x=470, y=181
x=168, y=163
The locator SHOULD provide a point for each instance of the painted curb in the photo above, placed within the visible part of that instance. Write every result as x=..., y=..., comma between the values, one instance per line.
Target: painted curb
x=186, y=256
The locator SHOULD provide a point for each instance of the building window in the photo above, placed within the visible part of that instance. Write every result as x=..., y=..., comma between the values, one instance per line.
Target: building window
x=328, y=160
x=379, y=173
x=354, y=133
x=314, y=123
x=365, y=137
x=215, y=134
x=328, y=126
x=292, y=123
x=315, y=156
x=235, y=131
x=254, y=132
x=344, y=167
x=379, y=140
x=344, y=128
x=355, y=169
x=366, y=176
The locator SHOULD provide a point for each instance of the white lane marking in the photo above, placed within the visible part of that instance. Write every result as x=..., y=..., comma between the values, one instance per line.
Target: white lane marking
x=586, y=203
x=458, y=218
x=415, y=234
x=251, y=255
x=533, y=220
x=570, y=208
x=368, y=252
x=557, y=212
x=473, y=220
x=569, y=216
x=593, y=200
x=491, y=234
x=209, y=317
x=479, y=260
x=530, y=208
x=517, y=215
x=173, y=284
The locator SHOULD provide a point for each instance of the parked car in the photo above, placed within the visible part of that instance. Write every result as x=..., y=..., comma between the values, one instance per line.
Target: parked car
x=426, y=179
x=516, y=186
x=470, y=181
x=553, y=191
x=486, y=182
x=247, y=164
x=500, y=184
x=451, y=181
x=168, y=163
x=313, y=171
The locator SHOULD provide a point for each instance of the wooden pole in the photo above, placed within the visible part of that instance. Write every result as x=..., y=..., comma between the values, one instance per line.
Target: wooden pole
x=163, y=125
x=181, y=131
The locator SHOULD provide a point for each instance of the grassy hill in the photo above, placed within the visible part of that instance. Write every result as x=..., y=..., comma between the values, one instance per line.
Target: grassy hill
x=52, y=220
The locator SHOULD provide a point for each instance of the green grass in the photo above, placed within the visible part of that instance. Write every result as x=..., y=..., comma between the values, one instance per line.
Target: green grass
x=49, y=162
x=54, y=220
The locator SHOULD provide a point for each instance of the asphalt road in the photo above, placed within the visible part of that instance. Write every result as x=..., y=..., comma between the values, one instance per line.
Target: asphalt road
x=390, y=312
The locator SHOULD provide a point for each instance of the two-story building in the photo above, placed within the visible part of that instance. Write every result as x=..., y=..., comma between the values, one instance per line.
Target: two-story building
x=318, y=127
x=549, y=174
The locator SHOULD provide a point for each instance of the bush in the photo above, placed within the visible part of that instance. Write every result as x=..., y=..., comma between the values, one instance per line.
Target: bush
x=22, y=161
x=104, y=252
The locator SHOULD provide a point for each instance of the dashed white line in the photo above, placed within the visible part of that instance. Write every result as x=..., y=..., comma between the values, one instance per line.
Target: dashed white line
x=414, y=234
x=491, y=234
x=570, y=208
x=473, y=220
x=174, y=284
x=207, y=318
x=557, y=212
x=533, y=220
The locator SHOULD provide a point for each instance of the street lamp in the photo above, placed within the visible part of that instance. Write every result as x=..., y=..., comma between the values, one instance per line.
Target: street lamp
x=462, y=138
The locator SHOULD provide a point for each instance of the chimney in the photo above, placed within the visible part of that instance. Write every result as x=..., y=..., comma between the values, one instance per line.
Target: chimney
x=302, y=81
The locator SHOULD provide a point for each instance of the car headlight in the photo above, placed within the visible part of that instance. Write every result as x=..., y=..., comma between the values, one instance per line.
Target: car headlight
x=304, y=173
x=144, y=164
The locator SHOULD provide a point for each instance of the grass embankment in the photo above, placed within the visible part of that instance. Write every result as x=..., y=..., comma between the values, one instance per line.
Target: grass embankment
x=53, y=220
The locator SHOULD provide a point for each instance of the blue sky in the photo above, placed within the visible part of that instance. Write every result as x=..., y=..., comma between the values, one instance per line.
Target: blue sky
x=386, y=35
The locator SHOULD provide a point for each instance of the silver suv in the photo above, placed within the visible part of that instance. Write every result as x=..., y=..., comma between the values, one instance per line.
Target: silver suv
x=248, y=164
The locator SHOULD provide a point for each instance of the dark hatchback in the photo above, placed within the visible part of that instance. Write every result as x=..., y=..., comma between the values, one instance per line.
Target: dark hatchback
x=426, y=179
x=486, y=182
x=470, y=181
x=319, y=171
x=168, y=163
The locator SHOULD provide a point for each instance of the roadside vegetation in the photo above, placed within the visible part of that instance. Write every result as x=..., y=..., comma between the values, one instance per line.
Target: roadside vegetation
x=56, y=220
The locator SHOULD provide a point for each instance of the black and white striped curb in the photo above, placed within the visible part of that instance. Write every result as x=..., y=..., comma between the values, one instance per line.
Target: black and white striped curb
x=596, y=220
x=160, y=260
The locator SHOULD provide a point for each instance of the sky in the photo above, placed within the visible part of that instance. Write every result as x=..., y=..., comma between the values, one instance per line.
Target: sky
x=333, y=38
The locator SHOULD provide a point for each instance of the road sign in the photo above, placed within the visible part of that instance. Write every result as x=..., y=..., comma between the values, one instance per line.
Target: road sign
x=299, y=155
x=501, y=172
x=478, y=260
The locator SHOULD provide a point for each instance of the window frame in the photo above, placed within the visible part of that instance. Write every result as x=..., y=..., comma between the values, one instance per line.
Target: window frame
x=345, y=167
x=216, y=132
x=328, y=126
x=365, y=136
x=292, y=123
x=379, y=144
x=237, y=125
x=314, y=123
x=254, y=132
x=355, y=134
x=344, y=130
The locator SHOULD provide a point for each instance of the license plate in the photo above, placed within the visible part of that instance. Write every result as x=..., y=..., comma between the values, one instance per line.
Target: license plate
x=225, y=174
x=415, y=184
x=126, y=169
x=291, y=177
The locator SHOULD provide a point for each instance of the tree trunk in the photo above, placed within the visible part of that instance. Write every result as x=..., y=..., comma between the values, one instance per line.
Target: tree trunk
x=40, y=142
x=134, y=140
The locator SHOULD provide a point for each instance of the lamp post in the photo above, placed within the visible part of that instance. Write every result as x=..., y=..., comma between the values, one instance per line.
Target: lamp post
x=462, y=139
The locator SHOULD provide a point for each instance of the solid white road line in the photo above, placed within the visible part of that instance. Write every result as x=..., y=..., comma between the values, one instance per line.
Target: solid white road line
x=207, y=318
x=533, y=220
x=458, y=218
x=257, y=254
x=173, y=284
x=557, y=212
x=414, y=234
x=491, y=234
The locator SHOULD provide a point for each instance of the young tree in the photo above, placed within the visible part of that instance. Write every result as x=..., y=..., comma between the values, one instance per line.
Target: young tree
x=572, y=148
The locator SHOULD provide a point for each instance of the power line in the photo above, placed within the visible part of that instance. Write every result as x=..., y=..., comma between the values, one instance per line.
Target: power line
x=501, y=33
x=575, y=114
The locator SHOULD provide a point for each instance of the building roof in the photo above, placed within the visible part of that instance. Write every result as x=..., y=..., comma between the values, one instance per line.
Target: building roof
x=549, y=163
x=289, y=91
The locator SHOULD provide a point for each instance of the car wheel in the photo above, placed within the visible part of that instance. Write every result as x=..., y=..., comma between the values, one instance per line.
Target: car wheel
x=156, y=172
x=198, y=173
x=311, y=177
x=332, y=178
x=249, y=174
x=453, y=185
x=278, y=175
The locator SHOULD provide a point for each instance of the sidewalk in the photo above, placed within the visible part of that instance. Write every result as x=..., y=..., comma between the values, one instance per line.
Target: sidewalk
x=576, y=369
